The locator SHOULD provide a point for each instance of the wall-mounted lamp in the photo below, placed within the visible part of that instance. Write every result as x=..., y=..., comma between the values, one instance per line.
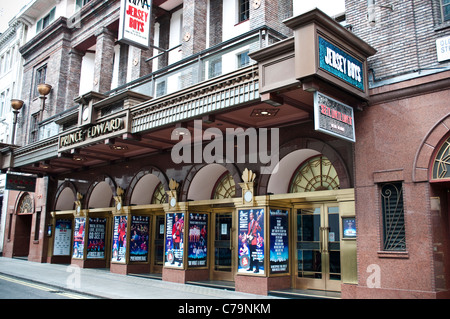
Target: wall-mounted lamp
x=16, y=106
x=43, y=89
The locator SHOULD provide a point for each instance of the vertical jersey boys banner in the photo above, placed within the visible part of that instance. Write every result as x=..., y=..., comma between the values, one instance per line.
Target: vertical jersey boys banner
x=96, y=238
x=174, y=240
x=139, y=238
x=134, y=24
x=63, y=237
x=78, y=238
x=279, y=240
x=251, y=241
x=119, y=247
x=197, y=244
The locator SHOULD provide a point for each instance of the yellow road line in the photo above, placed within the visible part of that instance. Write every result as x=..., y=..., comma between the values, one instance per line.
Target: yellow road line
x=41, y=287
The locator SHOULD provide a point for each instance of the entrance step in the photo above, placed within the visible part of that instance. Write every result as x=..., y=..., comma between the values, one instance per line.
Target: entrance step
x=219, y=284
x=305, y=294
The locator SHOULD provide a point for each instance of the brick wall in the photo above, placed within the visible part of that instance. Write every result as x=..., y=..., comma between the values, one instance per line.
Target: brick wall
x=404, y=37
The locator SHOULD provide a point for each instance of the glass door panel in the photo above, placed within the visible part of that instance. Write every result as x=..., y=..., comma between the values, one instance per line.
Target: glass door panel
x=222, y=265
x=318, y=248
x=308, y=243
x=158, y=257
x=334, y=244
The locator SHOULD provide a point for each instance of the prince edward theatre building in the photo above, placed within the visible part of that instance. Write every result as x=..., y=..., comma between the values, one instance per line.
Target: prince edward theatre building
x=274, y=147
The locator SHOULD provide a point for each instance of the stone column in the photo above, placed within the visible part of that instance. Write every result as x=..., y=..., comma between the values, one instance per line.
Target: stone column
x=194, y=26
x=123, y=64
x=74, y=77
x=104, y=57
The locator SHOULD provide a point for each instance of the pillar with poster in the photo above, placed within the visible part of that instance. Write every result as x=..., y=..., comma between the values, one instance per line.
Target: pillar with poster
x=251, y=241
x=174, y=240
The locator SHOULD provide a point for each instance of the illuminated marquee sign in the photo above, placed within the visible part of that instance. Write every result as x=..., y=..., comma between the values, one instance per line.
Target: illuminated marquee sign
x=337, y=62
x=333, y=117
x=134, y=24
x=22, y=183
x=91, y=132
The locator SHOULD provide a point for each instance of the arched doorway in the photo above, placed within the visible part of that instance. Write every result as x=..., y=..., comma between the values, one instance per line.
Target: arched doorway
x=148, y=188
x=23, y=224
x=215, y=181
x=316, y=262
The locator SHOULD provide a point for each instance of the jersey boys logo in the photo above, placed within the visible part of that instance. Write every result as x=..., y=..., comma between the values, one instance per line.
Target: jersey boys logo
x=134, y=24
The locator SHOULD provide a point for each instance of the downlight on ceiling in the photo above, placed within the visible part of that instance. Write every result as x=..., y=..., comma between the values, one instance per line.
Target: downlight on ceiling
x=264, y=112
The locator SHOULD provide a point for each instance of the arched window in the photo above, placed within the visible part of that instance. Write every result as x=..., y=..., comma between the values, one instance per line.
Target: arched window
x=441, y=164
x=25, y=205
x=159, y=196
x=315, y=174
x=225, y=187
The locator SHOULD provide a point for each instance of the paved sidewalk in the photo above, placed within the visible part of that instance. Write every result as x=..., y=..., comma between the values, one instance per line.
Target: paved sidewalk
x=102, y=283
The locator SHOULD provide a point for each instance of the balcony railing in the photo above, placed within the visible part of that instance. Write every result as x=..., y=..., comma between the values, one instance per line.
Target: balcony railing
x=220, y=59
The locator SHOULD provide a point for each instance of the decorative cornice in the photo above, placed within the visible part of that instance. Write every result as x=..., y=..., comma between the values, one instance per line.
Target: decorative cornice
x=170, y=108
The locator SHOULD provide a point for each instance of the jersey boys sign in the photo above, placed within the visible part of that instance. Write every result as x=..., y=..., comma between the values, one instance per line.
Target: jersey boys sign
x=334, y=60
x=134, y=25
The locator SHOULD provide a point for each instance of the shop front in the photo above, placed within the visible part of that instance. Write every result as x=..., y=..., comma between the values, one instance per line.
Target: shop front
x=247, y=178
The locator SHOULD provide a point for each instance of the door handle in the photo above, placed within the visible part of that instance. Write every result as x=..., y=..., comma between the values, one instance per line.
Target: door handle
x=324, y=239
x=231, y=238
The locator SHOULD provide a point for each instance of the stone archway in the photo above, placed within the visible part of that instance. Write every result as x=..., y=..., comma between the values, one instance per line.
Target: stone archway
x=292, y=154
x=144, y=185
x=202, y=179
x=428, y=147
x=65, y=197
x=100, y=193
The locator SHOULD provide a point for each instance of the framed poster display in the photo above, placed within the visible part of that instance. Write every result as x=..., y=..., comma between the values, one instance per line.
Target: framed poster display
x=174, y=240
x=96, y=238
x=78, y=238
x=139, y=231
x=63, y=237
x=119, y=246
x=348, y=228
x=197, y=240
x=279, y=241
x=251, y=241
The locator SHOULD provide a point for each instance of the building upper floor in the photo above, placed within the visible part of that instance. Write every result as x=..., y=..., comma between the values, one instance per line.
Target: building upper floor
x=74, y=46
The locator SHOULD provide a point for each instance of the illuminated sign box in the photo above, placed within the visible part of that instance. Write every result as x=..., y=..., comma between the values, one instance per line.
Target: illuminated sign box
x=341, y=64
x=20, y=183
x=333, y=117
x=134, y=24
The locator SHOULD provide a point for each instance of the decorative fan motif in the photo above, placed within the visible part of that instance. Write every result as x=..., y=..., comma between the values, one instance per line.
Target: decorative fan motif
x=441, y=164
x=314, y=175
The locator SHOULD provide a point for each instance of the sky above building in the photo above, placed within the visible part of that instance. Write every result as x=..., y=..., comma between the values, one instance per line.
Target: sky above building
x=8, y=9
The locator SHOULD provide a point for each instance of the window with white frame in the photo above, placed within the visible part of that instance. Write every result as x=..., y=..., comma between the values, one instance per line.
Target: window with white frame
x=80, y=4
x=243, y=10
x=243, y=59
x=2, y=103
x=445, y=9
x=45, y=21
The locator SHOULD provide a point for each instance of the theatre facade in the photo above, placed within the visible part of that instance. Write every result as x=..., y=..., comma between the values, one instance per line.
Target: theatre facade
x=244, y=180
